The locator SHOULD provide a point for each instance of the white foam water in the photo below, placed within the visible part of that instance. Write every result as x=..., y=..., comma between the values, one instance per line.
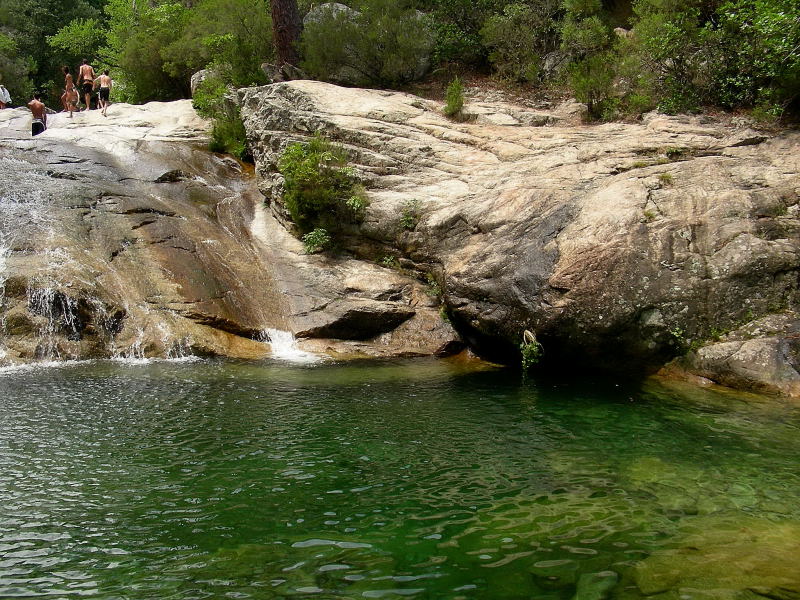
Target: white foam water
x=284, y=347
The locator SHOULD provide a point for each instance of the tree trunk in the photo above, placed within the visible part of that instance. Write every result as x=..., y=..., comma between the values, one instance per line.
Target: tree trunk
x=286, y=26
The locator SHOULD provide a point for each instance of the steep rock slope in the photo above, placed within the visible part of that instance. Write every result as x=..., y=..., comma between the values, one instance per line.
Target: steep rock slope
x=618, y=244
x=123, y=236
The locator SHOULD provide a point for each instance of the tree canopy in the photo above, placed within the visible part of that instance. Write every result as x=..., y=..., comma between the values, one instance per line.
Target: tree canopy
x=620, y=56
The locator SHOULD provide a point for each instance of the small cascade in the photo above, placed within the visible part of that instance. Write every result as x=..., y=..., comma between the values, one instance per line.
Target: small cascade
x=175, y=348
x=135, y=352
x=284, y=347
x=59, y=312
x=5, y=250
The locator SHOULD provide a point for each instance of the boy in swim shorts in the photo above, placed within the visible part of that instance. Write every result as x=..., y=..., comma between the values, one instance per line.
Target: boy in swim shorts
x=39, y=112
x=86, y=78
x=105, y=91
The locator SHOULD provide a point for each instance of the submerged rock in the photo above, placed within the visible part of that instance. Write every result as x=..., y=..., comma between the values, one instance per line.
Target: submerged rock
x=618, y=244
x=726, y=556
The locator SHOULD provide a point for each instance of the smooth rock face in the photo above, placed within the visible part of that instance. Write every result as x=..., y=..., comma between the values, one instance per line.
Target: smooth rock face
x=618, y=244
x=123, y=237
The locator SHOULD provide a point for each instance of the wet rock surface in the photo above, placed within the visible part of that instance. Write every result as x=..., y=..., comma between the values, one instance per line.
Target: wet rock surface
x=123, y=236
x=620, y=245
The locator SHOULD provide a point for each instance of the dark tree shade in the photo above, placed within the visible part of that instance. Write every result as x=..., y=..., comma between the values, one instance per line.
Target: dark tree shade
x=286, y=26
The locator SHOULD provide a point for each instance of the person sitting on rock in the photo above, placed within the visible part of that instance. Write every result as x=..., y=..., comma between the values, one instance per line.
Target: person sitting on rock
x=5, y=97
x=39, y=112
x=86, y=78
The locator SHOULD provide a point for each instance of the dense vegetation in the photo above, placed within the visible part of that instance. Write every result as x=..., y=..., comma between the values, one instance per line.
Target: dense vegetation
x=621, y=57
x=321, y=192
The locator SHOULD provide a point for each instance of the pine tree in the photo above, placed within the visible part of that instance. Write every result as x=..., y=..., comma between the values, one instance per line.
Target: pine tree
x=286, y=26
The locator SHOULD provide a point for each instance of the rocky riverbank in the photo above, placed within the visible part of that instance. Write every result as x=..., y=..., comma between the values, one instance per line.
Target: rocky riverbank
x=620, y=245
x=673, y=241
x=124, y=237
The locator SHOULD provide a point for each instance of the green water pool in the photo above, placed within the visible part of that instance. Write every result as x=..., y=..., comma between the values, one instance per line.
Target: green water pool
x=411, y=479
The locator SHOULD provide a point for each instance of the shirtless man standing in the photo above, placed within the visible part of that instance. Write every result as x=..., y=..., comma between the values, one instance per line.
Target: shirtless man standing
x=39, y=112
x=105, y=90
x=86, y=78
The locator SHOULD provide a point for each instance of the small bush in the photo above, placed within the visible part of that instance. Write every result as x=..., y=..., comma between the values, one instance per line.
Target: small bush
x=666, y=179
x=227, y=131
x=454, y=100
x=520, y=36
x=390, y=262
x=410, y=214
x=434, y=289
x=385, y=45
x=592, y=82
x=531, y=351
x=316, y=241
x=320, y=190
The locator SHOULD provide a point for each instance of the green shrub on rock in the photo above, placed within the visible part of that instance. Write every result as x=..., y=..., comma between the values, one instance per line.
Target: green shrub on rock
x=316, y=241
x=320, y=190
x=531, y=351
x=227, y=131
x=454, y=100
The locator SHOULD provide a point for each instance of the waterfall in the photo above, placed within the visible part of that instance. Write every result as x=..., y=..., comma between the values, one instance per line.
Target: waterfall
x=284, y=347
x=5, y=250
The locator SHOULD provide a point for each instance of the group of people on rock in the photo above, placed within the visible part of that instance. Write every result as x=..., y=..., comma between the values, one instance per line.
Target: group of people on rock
x=88, y=81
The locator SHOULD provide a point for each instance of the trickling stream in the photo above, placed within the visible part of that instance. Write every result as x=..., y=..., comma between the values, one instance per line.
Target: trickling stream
x=383, y=480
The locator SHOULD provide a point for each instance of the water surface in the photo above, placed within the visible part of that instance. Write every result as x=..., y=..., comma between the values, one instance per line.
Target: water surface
x=385, y=480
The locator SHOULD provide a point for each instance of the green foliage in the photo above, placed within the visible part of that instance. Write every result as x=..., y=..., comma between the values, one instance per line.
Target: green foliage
x=582, y=8
x=32, y=62
x=357, y=203
x=752, y=53
x=316, y=241
x=234, y=37
x=666, y=179
x=457, y=27
x=390, y=262
x=227, y=132
x=592, y=80
x=531, y=351
x=80, y=38
x=15, y=71
x=138, y=34
x=209, y=97
x=319, y=189
x=384, y=44
x=434, y=289
x=584, y=36
x=156, y=46
x=520, y=36
x=410, y=214
x=454, y=100
x=680, y=54
x=229, y=136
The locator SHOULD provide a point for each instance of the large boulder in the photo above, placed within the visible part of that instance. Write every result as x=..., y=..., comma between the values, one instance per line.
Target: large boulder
x=620, y=245
x=122, y=236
